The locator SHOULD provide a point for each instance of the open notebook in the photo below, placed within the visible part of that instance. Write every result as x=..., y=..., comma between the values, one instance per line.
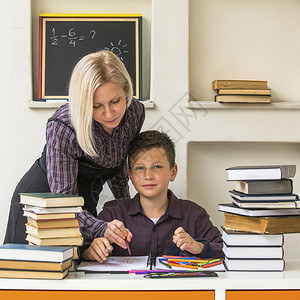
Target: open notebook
x=127, y=263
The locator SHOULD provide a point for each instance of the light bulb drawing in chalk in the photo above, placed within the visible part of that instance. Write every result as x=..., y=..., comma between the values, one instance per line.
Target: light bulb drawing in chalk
x=119, y=49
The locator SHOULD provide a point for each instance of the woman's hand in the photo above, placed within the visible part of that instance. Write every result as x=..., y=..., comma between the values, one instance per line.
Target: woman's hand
x=185, y=242
x=117, y=233
x=98, y=250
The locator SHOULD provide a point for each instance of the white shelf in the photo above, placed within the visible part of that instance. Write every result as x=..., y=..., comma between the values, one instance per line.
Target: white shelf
x=286, y=280
x=291, y=105
x=58, y=103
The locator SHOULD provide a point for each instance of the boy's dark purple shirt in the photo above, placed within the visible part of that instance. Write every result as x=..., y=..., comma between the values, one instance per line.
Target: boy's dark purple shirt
x=155, y=238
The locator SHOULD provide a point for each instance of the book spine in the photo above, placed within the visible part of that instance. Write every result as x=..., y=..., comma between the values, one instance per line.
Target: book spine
x=288, y=171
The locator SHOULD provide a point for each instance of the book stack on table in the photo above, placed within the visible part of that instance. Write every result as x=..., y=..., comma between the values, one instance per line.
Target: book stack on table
x=263, y=208
x=51, y=219
x=242, y=91
x=31, y=261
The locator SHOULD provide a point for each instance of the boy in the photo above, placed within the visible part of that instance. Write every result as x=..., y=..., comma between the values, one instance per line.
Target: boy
x=156, y=220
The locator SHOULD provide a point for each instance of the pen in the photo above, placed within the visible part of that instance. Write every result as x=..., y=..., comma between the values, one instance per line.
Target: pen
x=165, y=264
x=127, y=246
x=188, y=260
x=179, y=257
x=183, y=266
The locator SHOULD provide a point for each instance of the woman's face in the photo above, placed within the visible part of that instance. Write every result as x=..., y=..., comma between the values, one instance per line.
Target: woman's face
x=109, y=106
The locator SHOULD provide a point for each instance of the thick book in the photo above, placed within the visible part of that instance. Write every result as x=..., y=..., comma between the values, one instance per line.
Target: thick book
x=244, y=91
x=62, y=241
x=53, y=232
x=51, y=216
x=36, y=265
x=258, y=212
x=35, y=253
x=239, y=238
x=242, y=99
x=53, y=210
x=263, y=187
x=254, y=252
x=254, y=264
x=27, y=274
x=239, y=84
x=260, y=198
x=51, y=199
x=60, y=223
x=265, y=204
x=270, y=172
x=262, y=225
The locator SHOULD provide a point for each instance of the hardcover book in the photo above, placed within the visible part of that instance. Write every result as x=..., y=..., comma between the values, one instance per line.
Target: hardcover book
x=35, y=265
x=254, y=264
x=42, y=216
x=60, y=223
x=258, y=212
x=260, y=198
x=262, y=225
x=35, y=253
x=53, y=210
x=239, y=84
x=270, y=172
x=262, y=187
x=27, y=274
x=244, y=92
x=242, y=99
x=53, y=232
x=240, y=238
x=265, y=204
x=51, y=199
x=70, y=241
x=255, y=252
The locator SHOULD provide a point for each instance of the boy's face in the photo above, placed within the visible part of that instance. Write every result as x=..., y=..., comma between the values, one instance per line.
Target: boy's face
x=151, y=173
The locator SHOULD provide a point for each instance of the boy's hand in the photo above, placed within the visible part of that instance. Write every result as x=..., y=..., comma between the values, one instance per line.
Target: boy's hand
x=185, y=242
x=117, y=233
x=98, y=250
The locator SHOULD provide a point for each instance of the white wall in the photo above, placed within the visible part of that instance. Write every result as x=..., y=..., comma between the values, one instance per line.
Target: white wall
x=190, y=46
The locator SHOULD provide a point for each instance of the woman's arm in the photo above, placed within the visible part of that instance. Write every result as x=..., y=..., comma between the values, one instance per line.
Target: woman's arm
x=61, y=162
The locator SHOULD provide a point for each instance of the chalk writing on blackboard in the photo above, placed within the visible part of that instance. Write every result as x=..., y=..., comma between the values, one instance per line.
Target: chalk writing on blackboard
x=71, y=37
x=66, y=40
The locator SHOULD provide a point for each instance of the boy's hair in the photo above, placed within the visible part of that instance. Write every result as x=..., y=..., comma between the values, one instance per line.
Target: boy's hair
x=149, y=139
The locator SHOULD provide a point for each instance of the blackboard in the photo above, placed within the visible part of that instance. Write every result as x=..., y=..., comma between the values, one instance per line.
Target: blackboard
x=65, y=40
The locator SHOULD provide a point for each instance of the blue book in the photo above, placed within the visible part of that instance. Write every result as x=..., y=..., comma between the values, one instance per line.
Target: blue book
x=260, y=198
x=35, y=253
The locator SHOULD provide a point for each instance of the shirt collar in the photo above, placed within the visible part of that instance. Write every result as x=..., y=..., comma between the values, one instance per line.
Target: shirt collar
x=173, y=208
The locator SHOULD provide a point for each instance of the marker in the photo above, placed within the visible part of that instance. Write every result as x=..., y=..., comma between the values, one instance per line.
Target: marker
x=127, y=246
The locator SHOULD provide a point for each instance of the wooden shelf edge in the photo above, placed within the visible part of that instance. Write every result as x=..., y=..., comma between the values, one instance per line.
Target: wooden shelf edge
x=57, y=103
x=280, y=105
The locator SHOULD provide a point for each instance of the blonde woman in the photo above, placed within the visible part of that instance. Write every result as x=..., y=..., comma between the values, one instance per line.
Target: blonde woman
x=87, y=141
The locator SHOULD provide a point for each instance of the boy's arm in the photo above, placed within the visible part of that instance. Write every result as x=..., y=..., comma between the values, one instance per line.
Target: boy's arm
x=210, y=236
x=204, y=235
x=188, y=245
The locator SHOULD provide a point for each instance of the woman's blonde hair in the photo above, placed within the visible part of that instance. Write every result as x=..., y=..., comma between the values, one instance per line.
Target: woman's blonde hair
x=92, y=71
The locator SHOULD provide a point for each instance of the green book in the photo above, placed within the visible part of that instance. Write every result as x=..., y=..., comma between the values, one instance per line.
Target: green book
x=51, y=199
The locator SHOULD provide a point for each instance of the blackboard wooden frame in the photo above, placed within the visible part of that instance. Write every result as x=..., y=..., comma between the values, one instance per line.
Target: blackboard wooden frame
x=64, y=39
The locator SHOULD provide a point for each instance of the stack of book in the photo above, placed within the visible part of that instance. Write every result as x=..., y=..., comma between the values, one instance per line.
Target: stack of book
x=51, y=219
x=245, y=91
x=263, y=203
x=245, y=251
x=31, y=261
